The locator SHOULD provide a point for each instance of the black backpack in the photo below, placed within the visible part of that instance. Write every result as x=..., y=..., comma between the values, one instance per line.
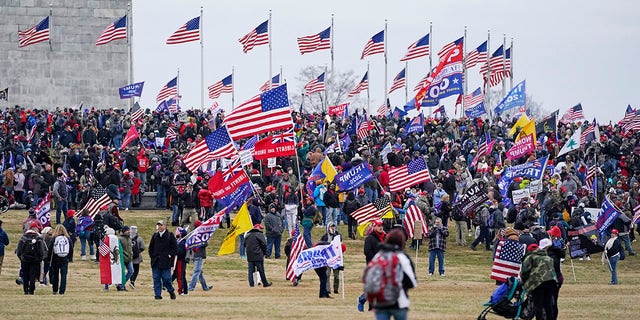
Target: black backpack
x=135, y=248
x=30, y=250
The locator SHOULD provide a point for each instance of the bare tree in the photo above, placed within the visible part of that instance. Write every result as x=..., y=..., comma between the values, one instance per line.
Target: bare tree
x=337, y=86
x=534, y=108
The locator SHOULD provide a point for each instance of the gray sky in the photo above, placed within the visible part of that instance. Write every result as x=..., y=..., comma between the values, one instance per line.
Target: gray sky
x=568, y=51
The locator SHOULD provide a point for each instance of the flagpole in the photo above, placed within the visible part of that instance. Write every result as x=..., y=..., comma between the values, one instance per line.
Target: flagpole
x=326, y=96
x=233, y=86
x=332, y=32
x=201, y=58
x=430, y=46
x=49, y=56
x=464, y=74
x=281, y=76
x=177, y=89
x=504, y=61
x=385, y=62
x=406, y=82
x=130, y=39
x=511, y=71
x=487, y=85
x=270, y=52
x=368, y=100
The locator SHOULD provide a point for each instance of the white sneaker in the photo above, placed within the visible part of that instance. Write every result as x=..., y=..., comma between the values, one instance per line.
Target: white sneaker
x=83, y=258
x=580, y=259
x=126, y=209
x=588, y=258
x=93, y=257
x=430, y=274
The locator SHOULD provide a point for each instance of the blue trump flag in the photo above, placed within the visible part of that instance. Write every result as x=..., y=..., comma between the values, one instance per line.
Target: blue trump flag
x=475, y=111
x=132, y=90
x=415, y=125
x=515, y=98
x=532, y=169
x=237, y=197
x=608, y=214
x=354, y=177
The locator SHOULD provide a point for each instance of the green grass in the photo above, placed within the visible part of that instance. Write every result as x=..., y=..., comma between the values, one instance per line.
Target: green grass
x=459, y=295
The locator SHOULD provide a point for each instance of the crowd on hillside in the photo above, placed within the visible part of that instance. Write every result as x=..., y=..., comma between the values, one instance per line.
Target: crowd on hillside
x=76, y=155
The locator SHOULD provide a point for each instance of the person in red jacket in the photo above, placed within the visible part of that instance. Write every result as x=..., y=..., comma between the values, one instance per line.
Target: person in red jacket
x=384, y=178
x=135, y=192
x=206, y=202
x=143, y=165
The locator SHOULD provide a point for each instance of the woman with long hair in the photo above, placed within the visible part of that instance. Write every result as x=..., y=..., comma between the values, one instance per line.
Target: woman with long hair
x=60, y=246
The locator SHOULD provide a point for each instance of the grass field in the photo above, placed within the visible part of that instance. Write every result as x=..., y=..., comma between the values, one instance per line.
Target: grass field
x=459, y=295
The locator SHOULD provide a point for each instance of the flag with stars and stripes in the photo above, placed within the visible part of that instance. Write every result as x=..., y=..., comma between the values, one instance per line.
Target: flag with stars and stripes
x=136, y=112
x=266, y=112
x=216, y=145
x=315, y=85
x=500, y=65
x=361, y=86
x=115, y=31
x=414, y=214
x=188, y=32
x=372, y=211
x=375, y=45
x=256, y=37
x=410, y=174
x=223, y=86
x=417, y=49
x=32, y=133
x=477, y=56
x=508, y=260
x=590, y=181
x=474, y=98
x=275, y=81
x=169, y=90
x=297, y=245
x=450, y=46
x=318, y=41
x=364, y=130
x=93, y=205
x=35, y=34
x=399, y=81
x=484, y=148
x=384, y=109
x=573, y=114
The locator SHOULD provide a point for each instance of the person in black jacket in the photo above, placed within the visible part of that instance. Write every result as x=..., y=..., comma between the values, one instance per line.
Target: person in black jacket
x=350, y=206
x=162, y=251
x=30, y=251
x=256, y=246
x=612, y=254
x=557, y=254
x=191, y=202
x=371, y=247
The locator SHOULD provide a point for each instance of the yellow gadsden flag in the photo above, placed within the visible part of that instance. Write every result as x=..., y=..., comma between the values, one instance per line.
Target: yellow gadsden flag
x=241, y=224
x=522, y=121
x=528, y=129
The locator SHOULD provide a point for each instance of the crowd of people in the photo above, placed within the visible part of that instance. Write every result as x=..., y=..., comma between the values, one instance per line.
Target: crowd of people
x=75, y=155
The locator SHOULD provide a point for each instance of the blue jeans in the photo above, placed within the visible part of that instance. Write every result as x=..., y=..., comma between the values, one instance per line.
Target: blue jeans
x=256, y=265
x=397, y=314
x=371, y=194
x=61, y=207
x=613, y=261
x=627, y=243
x=243, y=252
x=432, y=259
x=175, y=216
x=274, y=241
x=127, y=276
x=117, y=141
x=331, y=215
x=161, y=278
x=306, y=235
x=126, y=200
x=83, y=243
x=58, y=274
x=161, y=197
x=198, y=262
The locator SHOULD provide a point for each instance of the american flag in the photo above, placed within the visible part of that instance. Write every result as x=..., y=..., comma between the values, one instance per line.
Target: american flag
x=414, y=214
x=449, y=46
x=250, y=144
x=275, y=81
x=438, y=110
x=223, y=86
x=362, y=85
x=216, y=145
x=93, y=206
x=484, y=148
x=573, y=114
x=115, y=31
x=589, y=133
x=364, y=130
x=297, y=245
x=171, y=134
x=474, y=98
x=634, y=124
x=136, y=112
x=257, y=37
x=315, y=42
x=629, y=114
x=500, y=64
x=372, y=211
x=104, y=248
x=408, y=175
x=422, y=82
x=399, y=81
x=169, y=90
x=32, y=133
x=591, y=176
x=315, y=85
x=189, y=31
x=375, y=45
x=263, y=113
x=172, y=104
x=508, y=260
x=636, y=214
x=384, y=109
x=478, y=55
x=35, y=34
x=417, y=49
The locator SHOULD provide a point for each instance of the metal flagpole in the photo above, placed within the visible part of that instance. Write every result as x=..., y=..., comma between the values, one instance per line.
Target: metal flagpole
x=332, y=32
x=49, y=55
x=233, y=86
x=130, y=40
x=487, y=86
x=385, y=62
x=504, y=62
x=368, y=100
x=406, y=82
x=430, y=46
x=326, y=95
x=511, y=66
x=465, y=82
x=270, y=55
x=281, y=76
x=201, y=58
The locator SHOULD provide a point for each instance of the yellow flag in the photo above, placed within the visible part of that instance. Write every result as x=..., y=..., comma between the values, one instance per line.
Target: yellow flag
x=522, y=121
x=363, y=227
x=528, y=129
x=328, y=169
x=241, y=224
x=388, y=214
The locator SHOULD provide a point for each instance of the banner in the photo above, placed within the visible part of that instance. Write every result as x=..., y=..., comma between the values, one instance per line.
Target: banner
x=475, y=111
x=608, y=214
x=584, y=240
x=130, y=137
x=515, y=98
x=245, y=157
x=223, y=184
x=202, y=234
x=329, y=255
x=276, y=146
x=182, y=117
x=338, y=110
x=470, y=199
x=354, y=177
x=447, y=83
x=535, y=187
x=241, y=224
x=518, y=195
x=43, y=211
x=236, y=197
x=132, y=90
x=521, y=148
x=532, y=169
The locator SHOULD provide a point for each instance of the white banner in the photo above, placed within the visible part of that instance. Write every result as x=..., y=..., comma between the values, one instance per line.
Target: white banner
x=535, y=187
x=245, y=157
x=182, y=117
x=329, y=255
x=271, y=163
x=518, y=195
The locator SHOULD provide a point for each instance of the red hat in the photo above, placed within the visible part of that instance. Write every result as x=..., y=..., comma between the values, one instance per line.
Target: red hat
x=555, y=232
x=197, y=223
x=377, y=222
x=104, y=208
x=33, y=225
x=532, y=247
x=199, y=178
x=71, y=213
x=257, y=226
x=614, y=231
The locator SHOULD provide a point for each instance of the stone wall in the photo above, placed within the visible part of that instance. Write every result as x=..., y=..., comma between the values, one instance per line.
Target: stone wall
x=70, y=70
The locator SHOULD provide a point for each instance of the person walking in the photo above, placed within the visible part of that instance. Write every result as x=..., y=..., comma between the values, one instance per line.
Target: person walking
x=332, y=232
x=437, y=245
x=274, y=227
x=612, y=252
x=256, y=246
x=162, y=250
x=199, y=256
x=371, y=245
x=127, y=255
x=539, y=280
x=30, y=251
x=137, y=247
x=4, y=241
x=60, y=248
x=84, y=229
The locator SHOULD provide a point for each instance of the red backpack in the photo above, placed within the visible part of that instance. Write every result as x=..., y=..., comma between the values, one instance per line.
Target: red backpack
x=383, y=279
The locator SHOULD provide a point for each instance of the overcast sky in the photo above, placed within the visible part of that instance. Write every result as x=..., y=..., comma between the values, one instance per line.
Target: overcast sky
x=568, y=51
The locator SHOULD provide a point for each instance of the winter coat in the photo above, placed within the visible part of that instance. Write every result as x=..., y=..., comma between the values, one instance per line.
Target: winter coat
x=409, y=275
x=438, y=238
x=141, y=245
x=537, y=268
x=372, y=245
x=162, y=250
x=127, y=252
x=205, y=197
x=256, y=245
x=273, y=224
x=4, y=241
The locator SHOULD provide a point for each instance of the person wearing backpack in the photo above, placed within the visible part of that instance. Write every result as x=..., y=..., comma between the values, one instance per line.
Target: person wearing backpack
x=84, y=229
x=371, y=246
x=70, y=224
x=30, y=250
x=60, y=194
x=60, y=248
x=137, y=247
x=387, y=292
x=480, y=219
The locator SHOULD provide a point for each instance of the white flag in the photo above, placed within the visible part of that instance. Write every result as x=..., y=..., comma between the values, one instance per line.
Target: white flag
x=572, y=144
